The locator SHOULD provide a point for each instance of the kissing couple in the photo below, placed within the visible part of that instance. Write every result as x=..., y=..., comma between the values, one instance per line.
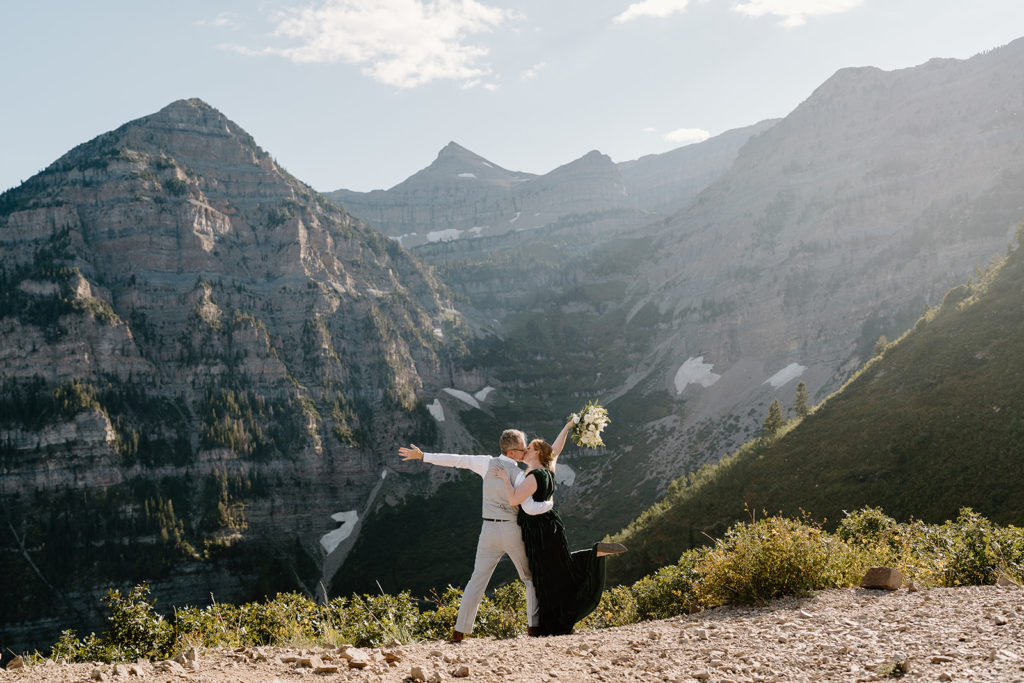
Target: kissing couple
x=519, y=520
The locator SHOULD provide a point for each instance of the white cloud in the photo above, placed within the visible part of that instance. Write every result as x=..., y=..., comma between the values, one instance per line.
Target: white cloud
x=651, y=8
x=686, y=136
x=795, y=12
x=532, y=72
x=222, y=20
x=403, y=43
x=649, y=129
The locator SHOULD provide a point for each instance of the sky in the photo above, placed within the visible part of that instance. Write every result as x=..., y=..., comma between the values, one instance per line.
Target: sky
x=361, y=94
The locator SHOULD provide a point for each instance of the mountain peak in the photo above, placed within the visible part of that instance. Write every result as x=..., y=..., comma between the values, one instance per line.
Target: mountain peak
x=454, y=149
x=453, y=152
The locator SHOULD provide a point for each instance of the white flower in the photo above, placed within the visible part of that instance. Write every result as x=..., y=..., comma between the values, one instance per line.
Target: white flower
x=589, y=423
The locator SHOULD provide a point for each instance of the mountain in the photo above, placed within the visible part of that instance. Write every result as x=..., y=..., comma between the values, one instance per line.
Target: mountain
x=831, y=228
x=930, y=425
x=665, y=183
x=834, y=227
x=463, y=195
x=205, y=367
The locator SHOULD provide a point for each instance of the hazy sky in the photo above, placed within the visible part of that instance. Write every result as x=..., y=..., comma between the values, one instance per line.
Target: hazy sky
x=360, y=94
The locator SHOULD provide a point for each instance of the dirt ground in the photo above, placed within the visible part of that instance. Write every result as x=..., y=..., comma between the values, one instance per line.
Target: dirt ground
x=962, y=634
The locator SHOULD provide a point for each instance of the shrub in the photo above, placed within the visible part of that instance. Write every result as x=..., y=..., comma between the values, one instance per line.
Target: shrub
x=503, y=615
x=378, y=619
x=136, y=631
x=617, y=608
x=969, y=552
x=670, y=591
x=772, y=557
x=877, y=534
x=753, y=563
x=439, y=622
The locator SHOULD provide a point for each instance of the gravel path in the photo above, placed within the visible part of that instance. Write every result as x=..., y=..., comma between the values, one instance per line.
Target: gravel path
x=962, y=634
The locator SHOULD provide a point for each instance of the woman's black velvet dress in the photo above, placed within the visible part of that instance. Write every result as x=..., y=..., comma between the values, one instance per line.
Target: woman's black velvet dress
x=568, y=585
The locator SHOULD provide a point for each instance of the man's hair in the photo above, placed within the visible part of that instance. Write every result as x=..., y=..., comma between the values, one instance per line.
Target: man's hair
x=511, y=438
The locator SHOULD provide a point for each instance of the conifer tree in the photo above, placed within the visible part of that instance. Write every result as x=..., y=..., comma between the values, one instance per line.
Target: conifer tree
x=801, y=402
x=774, y=421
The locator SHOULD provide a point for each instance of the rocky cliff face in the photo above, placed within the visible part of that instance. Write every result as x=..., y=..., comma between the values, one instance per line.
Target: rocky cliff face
x=203, y=361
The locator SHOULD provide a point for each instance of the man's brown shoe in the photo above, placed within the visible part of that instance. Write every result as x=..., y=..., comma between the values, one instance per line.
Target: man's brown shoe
x=533, y=631
x=457, y=637
x=610, y=549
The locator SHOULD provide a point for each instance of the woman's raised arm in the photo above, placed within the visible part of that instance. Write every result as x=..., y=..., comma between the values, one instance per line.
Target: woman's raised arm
x=559, y=443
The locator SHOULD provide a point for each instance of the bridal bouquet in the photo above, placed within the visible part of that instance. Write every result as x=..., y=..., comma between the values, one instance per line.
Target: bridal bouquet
x=589, y=423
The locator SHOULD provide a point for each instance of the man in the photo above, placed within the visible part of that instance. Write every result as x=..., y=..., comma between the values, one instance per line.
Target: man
x=499, y=533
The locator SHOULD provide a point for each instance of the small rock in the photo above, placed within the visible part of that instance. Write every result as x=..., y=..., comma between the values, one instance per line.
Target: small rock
x=120, y=669
x=360, y=662
x=461, y=672
x=702, y=634
x=392, y=656
x=885, y=578
x=311, y=662
x=913, y=587
x=98, y=675
x=327, y=669
x=1000, y=620
x=417, y=673
x=702, y=675
x=351, y=653
x=436, y=653
x=169, y=666
x=15, y=663
x=944, y=676
x=1005, y=581
x=805, y=614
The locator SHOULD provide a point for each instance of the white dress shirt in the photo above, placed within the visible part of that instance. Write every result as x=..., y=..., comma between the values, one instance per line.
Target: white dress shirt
x=481, y=465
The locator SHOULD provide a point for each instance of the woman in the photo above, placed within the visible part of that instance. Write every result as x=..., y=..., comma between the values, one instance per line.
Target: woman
x=569, y=585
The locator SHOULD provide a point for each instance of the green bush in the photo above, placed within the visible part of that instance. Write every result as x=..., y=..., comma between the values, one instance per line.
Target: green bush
x=771, y=557
x=378, y=619
x=617, y=608
x=503, y=615
x=135, y=631
x=439, y=622
x=671, y=590
x=877, y=534
x=969, y=550
x=753, y=563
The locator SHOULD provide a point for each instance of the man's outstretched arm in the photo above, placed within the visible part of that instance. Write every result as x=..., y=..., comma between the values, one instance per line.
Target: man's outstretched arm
x=476, y=463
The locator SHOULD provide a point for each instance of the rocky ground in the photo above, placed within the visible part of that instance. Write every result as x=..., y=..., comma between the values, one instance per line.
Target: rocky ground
x=962, y=634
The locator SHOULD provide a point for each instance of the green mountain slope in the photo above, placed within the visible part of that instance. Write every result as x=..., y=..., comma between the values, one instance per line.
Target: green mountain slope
x=934, y=423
